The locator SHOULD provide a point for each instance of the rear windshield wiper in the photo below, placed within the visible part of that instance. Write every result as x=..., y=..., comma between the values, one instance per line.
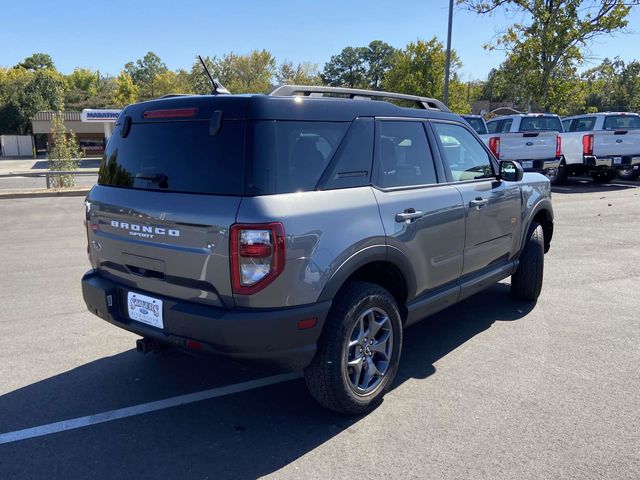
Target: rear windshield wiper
x=160, y=179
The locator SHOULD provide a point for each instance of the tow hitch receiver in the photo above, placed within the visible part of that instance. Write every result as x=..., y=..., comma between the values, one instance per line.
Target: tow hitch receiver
x=147, y=345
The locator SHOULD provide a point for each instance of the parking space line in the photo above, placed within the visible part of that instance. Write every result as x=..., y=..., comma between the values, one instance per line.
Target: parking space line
x=143, y=408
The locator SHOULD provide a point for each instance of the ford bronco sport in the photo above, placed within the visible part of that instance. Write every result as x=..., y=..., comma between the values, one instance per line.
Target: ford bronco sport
x=304, y=230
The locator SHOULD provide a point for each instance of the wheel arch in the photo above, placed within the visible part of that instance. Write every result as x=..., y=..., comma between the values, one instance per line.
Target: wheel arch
x=382, y=265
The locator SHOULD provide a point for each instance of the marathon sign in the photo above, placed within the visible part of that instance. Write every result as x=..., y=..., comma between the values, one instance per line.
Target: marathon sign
x=99, y=116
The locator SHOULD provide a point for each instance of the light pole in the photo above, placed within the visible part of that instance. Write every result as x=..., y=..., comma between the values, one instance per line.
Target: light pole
x=447, y=65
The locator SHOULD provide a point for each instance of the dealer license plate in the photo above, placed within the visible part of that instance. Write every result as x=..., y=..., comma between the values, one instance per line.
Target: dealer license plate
x=527, y=164
x=145, y=309
x=617, y=160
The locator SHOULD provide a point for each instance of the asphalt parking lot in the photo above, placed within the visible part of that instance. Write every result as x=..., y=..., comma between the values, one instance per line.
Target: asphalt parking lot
x=491, y=388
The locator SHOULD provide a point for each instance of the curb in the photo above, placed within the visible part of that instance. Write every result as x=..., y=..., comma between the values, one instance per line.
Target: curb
x=78, y=192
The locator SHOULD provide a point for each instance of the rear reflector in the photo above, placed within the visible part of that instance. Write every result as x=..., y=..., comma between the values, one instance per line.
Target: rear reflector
x=307, y=323
x=171, y=113
x=193, y=345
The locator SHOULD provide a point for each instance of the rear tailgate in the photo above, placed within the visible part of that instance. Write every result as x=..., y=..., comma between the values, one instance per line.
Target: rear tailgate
x=527, y=145
x=608, y=143
x=168, y=191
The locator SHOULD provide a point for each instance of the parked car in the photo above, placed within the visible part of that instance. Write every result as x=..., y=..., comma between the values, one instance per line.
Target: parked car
x=304, y=232
x=601, y=145
x=531, y=139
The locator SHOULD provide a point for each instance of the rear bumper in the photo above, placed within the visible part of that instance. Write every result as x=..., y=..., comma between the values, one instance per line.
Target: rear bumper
x=611, y=162
x=268, y=335
x=539, y=165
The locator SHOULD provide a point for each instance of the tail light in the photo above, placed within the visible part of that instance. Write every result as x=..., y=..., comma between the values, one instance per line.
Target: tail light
x=494, y=146
x=587, y=145
x=558, y=145
x=257, y=256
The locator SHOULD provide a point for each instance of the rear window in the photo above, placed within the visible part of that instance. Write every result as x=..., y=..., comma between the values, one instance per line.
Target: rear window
x=177, y=157
x=291, y=156
x=551, y=124
x=477, y=124
x=621, y=122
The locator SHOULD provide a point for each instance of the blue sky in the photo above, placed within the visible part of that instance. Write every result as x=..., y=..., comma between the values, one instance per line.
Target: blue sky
x=105, y=35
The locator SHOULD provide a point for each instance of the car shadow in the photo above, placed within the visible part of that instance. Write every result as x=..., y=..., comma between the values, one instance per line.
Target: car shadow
x=244, y=435
x=587, y=185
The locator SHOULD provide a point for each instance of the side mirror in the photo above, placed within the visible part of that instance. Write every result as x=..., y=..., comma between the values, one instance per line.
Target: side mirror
x=511, y=171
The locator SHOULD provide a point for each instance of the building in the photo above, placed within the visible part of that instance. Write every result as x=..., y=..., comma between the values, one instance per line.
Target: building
x=92, y=128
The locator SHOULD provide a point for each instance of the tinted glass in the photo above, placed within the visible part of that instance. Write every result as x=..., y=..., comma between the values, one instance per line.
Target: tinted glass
x=492, y=126
x=176, y=157
x=551, y=124
x=506, y=126
x=291, y=156
x=464, y=155
x=622, y=122
x=477, y=124
x=566, y=124
x=351, y=166
x=583, y=124
x=405, y=158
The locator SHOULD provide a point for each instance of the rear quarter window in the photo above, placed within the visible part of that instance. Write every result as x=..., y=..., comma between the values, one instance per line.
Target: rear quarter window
x=290, y=156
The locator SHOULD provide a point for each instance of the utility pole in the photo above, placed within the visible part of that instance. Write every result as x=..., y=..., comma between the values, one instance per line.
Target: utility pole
x=447, y=65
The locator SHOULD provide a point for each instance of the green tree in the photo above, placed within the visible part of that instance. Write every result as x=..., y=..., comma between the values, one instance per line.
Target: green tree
x=37, y=61
x=418, y=69
x=548, y=44
x=64, y=154
x=23, y=93
x=304, y=73
x=81, y=86
x=143, y=72
x=125, y=91
x=347, y=69
x=378, y=57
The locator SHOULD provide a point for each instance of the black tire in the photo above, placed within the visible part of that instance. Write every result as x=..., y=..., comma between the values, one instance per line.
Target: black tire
x=526, y=283
x=327, y=376
x=560, y=176
x=604, y=177
x=629, y=173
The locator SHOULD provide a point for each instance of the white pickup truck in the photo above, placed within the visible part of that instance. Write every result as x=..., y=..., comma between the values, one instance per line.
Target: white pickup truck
x=601, y=145
x=531, y=139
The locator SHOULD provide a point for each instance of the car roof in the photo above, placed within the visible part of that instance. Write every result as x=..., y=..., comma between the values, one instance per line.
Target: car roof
x=602, y=114
x=265, y=107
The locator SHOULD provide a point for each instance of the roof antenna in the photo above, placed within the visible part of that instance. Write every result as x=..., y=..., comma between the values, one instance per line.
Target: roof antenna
x=218, y=88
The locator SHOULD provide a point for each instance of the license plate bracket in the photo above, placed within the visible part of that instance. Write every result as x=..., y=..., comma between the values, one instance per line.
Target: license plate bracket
x=527, y=164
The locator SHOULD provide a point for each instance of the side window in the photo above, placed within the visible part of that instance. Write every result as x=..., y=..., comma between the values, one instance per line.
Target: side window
x=566, y=124
x=351, y=166
x=464, y=155
x=404, y=155
x=506, y=126
x=492, y=126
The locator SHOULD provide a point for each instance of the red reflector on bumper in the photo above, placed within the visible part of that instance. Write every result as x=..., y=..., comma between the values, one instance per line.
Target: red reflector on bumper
x=193, y=345
x=307, y=323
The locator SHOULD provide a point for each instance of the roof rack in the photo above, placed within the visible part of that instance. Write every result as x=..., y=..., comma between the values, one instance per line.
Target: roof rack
x=359, y=94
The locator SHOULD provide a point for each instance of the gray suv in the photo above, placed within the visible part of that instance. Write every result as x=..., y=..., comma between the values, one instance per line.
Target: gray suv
x=304, y=229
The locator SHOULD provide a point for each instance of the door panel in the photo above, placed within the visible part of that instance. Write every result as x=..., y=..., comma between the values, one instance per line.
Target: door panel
x=434, y=242
x=492, y=207
x=493, y=217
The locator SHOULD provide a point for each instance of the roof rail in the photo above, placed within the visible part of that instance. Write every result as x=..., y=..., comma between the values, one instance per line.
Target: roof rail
x=356, y=93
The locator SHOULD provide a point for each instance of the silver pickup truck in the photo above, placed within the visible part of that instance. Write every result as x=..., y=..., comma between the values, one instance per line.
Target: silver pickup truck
x=531, y=139
x=601, y=145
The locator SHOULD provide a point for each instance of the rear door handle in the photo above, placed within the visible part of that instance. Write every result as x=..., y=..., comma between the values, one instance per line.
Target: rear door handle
x=409, y=214
x=479, y=202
